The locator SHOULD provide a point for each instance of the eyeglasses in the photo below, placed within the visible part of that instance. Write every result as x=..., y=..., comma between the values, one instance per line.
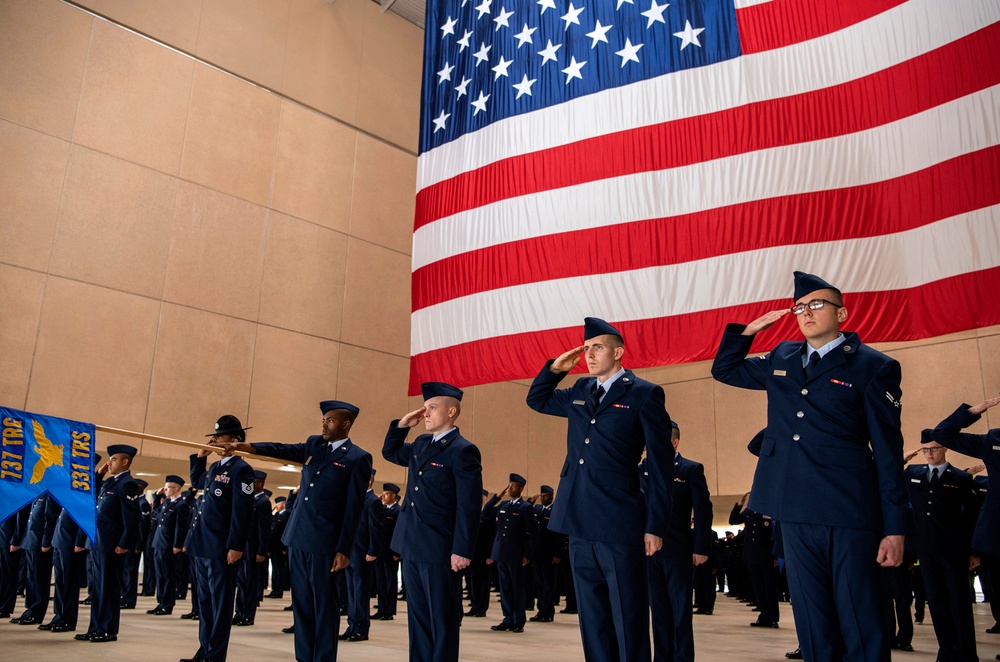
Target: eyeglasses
x=931, y=449
x=815, y=304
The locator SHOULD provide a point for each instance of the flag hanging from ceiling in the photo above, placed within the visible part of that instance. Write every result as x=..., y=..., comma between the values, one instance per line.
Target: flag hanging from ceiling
x=667, y=165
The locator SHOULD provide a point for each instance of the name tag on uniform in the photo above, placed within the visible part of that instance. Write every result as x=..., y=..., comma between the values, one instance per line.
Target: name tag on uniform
x=780, y=373
x=996, y=448
x=581, y=402
x=915, y=480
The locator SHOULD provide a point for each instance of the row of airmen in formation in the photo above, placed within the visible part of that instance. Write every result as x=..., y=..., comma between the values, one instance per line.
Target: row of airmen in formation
x=829, y=470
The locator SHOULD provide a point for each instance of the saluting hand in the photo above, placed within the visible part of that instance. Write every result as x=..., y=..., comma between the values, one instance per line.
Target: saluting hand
x=910, y=455
x=412, y=418
x=567, y=361
x=766, y=321
x=984, y=405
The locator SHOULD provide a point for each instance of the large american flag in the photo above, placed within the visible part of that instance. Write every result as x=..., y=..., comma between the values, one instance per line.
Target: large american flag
x=666, y=165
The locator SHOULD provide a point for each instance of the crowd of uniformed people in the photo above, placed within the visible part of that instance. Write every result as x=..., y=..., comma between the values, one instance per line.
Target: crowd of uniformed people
x=629, y=542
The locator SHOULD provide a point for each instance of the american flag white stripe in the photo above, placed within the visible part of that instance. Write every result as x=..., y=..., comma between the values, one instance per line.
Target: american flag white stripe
x=913, y=143
x=961, y=244
x=905, y=32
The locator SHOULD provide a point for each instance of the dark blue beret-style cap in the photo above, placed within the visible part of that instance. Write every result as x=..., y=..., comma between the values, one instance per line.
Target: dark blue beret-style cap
x=434, y=389
x=517, y=478
x=806, y=283
x=173, y=478
x=114, y=449
x=594, y=326
x=390, y=487
x=547, y=489
x=329, y=405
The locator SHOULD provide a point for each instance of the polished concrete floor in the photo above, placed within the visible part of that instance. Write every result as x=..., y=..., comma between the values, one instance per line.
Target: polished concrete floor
x=725, y=635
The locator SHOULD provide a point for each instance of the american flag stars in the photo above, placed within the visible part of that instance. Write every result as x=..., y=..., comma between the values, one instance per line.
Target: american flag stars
x=584, y=39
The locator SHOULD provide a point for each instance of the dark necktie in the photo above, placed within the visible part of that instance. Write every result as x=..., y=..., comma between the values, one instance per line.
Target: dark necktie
x=594, y=398
x=934, y=476
x=811, y=365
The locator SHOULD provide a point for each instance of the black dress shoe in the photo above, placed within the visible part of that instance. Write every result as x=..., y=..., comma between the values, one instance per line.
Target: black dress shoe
x=161, y=612
x=905, y=647
x=358, y=637
x=993, y=630
x=500, y=627
x=101, y=638
x=62, y=627
x=378, y=614
x=191, y=659
x=243, y=623
x=288, y=608
x=568, y=611
x=26, y=620
x=190, y=616
x=703, y=612
x=86, y=601
x=85, y=636
x=343, y=611
x=4, y=614
x=125, y=606
x=289, y=630
x=795, y=654
x=46, y=626
x=535, y=618
x=517, y=628
x=345, y=636
x=545, y=619
x=479, y=614
x=763, y=624
x=385, y=617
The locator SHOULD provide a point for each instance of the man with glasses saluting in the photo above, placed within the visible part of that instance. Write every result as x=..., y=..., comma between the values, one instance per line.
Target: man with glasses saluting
x=830, y=469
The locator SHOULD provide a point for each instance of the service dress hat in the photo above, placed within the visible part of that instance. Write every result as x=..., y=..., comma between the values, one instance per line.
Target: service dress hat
x=434, y=389
x=926, y=436
x=547, y=489
x=594, y=326
x=390, y=487
x=172, y=478
x=517, y=478
x=674, y=425
x=329, y=405
x=279, y=499
x=260, y=475
x=114, y=449
x=806, y=283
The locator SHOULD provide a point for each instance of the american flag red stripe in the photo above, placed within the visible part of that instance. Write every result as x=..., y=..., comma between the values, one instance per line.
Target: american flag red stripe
x=874, y=164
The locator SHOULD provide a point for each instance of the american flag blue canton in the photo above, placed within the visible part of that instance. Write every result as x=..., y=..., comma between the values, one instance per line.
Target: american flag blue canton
x=485, y=60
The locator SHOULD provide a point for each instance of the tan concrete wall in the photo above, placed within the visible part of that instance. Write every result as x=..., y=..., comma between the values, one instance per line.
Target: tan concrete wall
x=176, y=243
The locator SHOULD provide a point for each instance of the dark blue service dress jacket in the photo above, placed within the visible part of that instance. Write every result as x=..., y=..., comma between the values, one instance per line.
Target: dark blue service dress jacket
x=222, y=521
x=832, y=451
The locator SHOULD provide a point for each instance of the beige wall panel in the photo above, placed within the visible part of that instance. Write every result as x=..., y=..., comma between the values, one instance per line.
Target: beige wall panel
x=21, y=294
x=988, y=331
x=322, y=74
x=174, y=22
x=673, y=374
x=34, y=168
x=216, y=258
x=739, y=415
x=989, y=357
x=393, y=45
x=114, y=226
x=691, y=405
x=377, y=298
x=384, y=195
x=389, y=108
x=376, y=383
x=246, y=37
x=501, y=433
x=202, y=370
x=231, y=136
x=292, y=373
x=304, y=274
x=340, y=22
x=546, y=447
x=135, y=97
x=43, y=48
x=926, y=369
x=94, y=354
x=314, y=169
x=939, y=340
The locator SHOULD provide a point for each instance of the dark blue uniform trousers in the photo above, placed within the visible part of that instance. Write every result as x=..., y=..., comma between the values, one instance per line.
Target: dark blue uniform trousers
x=359, y=591
x=105, y=612
x=216, y=581
x=434, y=611
x=612, y=597
x=512, y=593
x=166, y=578
x=670, y=586
x=388, y=585
x=69, y=568
x=840, y=595
x=946, y=577
x=246, y=588
x=545, y=586
x=36, y=589
x=315, y=606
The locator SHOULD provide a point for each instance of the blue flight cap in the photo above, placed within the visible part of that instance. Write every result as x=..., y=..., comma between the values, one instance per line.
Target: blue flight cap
x=593, y=327
x=434, y=389
x=547, y=489
x=172, y=478
x=268, y=493
x=141, y=483
x=260, y=475
x=806, y=283
x=486, y=492
x=373, y=471
x=926, y=436
x=114, y=449
x=329, y=405
x=390, y=487
x=279, y=499
x=674, y=425
x=516, y=478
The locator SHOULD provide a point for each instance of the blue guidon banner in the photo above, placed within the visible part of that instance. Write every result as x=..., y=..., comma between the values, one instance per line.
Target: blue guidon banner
x=46, y=454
